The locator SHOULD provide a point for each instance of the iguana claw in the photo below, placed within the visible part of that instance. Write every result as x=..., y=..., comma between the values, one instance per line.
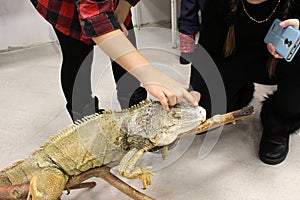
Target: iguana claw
x=145, y=176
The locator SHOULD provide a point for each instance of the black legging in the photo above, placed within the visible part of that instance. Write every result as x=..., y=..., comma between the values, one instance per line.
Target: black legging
x=76, y=74
x=240, y=72
x=251, y=67
x=76, y=70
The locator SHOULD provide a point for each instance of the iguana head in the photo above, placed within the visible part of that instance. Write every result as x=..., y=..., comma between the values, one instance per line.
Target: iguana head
x=162, y=127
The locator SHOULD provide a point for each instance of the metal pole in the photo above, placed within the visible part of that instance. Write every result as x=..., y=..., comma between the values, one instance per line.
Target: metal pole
x=174, y=23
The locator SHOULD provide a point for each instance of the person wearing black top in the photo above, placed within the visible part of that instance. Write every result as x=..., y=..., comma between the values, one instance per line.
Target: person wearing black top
x=232, y=32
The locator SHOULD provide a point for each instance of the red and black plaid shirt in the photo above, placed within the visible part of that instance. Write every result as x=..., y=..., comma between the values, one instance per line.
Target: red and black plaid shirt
x=80, y=19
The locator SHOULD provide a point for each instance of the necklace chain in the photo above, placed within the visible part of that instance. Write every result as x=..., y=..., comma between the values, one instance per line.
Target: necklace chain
x=260, y=21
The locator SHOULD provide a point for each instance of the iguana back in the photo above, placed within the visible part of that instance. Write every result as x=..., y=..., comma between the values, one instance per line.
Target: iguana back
x=74, y=149
x=100, y=139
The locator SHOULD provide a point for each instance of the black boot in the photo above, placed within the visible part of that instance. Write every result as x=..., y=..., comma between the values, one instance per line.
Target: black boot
x=138, y=95
x=273, y=149
x=274, y=144
x=90, y=108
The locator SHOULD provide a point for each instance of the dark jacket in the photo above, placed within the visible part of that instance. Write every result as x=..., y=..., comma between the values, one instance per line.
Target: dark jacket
x=188, y=22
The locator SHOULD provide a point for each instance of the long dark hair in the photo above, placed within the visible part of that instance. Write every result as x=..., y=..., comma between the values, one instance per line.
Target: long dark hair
x=229, y=46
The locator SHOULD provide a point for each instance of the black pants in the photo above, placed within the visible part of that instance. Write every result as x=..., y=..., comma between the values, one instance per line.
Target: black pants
x=76, y=75
x=76, y=70
x=239, y=72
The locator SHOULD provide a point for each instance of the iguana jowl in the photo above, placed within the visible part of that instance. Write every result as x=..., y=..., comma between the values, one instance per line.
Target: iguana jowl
x=98, y=140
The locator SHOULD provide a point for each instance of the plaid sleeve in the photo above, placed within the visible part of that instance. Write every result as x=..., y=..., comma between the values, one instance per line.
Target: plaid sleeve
x=133, y=2
x=96, y=17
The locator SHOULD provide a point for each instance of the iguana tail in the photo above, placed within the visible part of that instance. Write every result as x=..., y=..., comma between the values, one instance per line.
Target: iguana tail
x=22, y=171
x=9, y=175
x=46, y=180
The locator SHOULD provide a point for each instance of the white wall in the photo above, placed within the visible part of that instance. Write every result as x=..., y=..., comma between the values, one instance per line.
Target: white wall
x=22, y=26
x=152, y=11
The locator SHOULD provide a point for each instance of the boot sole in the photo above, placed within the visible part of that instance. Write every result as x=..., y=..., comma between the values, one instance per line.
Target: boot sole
x=273, y=161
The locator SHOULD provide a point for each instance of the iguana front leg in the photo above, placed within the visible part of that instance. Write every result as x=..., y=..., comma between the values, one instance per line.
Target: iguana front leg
x=129, y=169
x=47, y=184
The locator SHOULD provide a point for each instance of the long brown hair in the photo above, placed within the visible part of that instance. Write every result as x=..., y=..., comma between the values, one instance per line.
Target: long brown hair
x=229, y=46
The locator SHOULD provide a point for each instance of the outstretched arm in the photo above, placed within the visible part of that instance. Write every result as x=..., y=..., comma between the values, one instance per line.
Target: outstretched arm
x=168, y=91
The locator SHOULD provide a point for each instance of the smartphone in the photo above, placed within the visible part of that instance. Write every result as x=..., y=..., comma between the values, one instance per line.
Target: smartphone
x=286, y=40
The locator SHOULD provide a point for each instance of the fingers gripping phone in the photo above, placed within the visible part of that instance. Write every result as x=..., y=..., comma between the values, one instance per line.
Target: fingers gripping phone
x=285, y=40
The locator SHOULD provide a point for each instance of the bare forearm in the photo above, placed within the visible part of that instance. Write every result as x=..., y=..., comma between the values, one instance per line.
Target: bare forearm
x=118, y=48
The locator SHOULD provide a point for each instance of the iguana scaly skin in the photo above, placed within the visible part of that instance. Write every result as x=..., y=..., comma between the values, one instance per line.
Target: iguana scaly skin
x=98, y=140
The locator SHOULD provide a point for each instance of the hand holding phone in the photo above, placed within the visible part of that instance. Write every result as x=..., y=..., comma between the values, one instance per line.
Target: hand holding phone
x=285, y=40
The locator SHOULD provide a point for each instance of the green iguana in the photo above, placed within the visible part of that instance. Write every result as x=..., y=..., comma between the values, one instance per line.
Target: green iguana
x=98, y=140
